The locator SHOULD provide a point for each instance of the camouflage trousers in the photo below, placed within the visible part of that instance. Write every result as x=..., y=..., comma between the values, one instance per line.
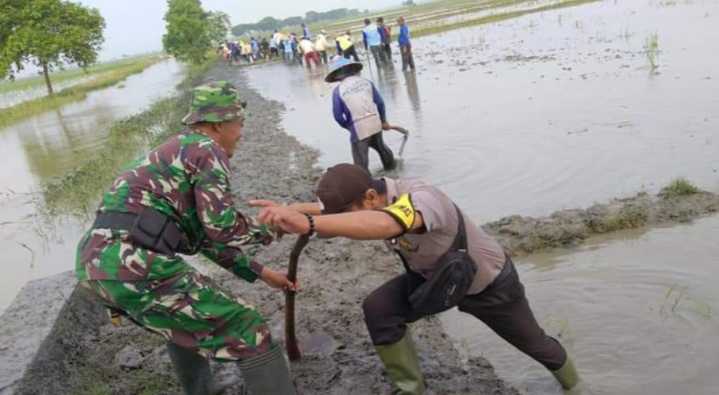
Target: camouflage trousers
x=191, y=311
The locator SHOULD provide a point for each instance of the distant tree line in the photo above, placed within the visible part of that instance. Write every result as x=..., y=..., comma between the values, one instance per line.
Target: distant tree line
x=269, y=23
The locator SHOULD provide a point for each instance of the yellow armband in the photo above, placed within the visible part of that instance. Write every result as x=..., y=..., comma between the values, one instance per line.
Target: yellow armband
x=403, y=211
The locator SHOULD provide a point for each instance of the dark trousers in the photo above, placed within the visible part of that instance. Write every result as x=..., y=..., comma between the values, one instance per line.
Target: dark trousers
x=407, y=58
x=387, y=51
x=379, y=55
x=360, y=152
x=502, y=306
x=351, y=52
x=323, y=56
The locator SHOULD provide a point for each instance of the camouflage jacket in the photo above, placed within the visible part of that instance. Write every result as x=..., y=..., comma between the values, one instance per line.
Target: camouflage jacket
x=187, y=179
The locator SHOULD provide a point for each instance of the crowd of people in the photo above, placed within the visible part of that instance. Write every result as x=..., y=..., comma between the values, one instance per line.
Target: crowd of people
x=320, y=49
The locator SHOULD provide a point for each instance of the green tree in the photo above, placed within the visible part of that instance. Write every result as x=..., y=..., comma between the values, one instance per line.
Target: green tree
x=48, y=34
x=188, y=31
x=220, y=25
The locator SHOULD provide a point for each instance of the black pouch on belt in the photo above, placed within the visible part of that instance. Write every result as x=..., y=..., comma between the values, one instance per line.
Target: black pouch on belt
x=449, y=283
x=156, y=231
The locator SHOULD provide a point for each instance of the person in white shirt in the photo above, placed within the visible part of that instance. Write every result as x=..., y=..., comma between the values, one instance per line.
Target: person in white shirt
x=308, y=50
x=321, y=46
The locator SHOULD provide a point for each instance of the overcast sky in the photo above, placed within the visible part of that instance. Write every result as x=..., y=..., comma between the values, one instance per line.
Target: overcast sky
x=136, y=26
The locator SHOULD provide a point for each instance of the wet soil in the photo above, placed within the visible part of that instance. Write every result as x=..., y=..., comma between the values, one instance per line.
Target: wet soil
x=86, y=355
x=524, y=235
x=335, y=276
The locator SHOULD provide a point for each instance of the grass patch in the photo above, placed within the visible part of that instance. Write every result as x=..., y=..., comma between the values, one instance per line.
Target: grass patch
x=76, y=191
x=677, y=188
x=22, y=111
x=628, y=217
x=67, y=75
x=92, y=382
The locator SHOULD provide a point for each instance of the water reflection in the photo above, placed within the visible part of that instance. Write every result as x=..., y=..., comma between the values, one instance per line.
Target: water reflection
x=47, y=146
x=51, y=155
x=387, y=83
x=316, y=81
x=413, y=92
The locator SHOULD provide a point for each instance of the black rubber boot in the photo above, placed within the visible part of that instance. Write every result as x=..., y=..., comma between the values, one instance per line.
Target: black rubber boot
x=193, y=371
x=267, y=374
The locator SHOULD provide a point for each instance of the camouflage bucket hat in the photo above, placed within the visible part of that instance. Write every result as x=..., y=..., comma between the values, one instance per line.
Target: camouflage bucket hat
x=214, y=102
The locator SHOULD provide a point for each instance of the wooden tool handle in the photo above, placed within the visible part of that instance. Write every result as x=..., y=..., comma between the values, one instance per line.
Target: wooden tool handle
x=293, y=350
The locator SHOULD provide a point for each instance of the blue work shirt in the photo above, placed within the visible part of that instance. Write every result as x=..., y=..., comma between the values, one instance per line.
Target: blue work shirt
x=403, y=35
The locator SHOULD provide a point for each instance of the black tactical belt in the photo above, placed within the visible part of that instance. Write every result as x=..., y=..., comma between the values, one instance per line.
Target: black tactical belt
x=150, y=229
x=115, y=220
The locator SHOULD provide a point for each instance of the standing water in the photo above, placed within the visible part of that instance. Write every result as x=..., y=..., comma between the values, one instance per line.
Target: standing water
x=639, y=315
x=543, y=112
x=556, y=110
x=47, y=146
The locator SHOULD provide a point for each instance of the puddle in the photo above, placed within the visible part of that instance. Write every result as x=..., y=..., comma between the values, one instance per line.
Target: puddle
x=534, y=114
x=640, y=315
x=47, y=146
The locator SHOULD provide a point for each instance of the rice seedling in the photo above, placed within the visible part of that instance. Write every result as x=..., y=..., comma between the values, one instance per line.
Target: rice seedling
x=651, y=52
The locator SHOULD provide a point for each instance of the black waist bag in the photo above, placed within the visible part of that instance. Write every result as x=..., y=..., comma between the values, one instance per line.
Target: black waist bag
x=150, y=229
x=449, y=284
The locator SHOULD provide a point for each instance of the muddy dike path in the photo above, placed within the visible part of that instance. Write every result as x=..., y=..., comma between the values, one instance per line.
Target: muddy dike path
x=85, y=354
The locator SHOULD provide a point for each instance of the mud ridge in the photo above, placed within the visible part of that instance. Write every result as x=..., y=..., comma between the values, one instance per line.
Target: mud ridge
x=524, y=235
x=335, y=276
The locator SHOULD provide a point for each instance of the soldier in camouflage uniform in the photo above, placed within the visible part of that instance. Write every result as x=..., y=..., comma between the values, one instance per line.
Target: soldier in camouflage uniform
x=177, y=199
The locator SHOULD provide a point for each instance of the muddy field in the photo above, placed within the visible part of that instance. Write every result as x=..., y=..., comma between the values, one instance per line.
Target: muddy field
x=527, y=124
x=335, y=276
x=89, y=356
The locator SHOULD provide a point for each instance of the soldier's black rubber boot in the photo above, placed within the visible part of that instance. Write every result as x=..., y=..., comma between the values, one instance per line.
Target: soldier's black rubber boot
x=267, y=374
x=194, y=372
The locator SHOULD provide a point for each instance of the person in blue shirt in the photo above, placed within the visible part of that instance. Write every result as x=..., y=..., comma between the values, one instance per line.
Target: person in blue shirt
x=405, y=45
x=255, y=48
x=373, y=37
x=387, y=39
x=289, y=47
x=358, y=107
x=306, y=31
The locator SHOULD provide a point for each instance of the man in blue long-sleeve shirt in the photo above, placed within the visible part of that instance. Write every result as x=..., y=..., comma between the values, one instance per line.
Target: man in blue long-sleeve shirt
x=373, y=37
x=405, y=45
x=358, y=107
x=386, y=38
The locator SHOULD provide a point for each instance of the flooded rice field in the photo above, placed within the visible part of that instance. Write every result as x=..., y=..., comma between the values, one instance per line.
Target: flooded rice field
x=548, y=111
x=13, y=98
x=639, y=311
x=558, y=110
x=47, y=146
